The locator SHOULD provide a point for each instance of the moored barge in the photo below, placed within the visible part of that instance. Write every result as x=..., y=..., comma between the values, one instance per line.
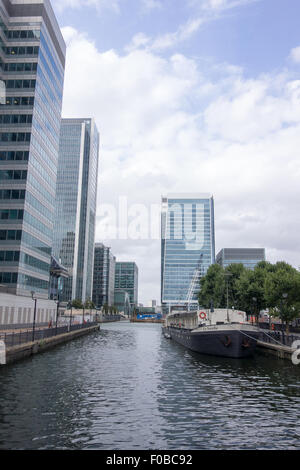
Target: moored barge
x=222, y=332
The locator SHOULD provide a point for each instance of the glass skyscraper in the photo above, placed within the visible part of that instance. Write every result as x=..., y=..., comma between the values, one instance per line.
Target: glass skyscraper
x=76, y=200
x=32, y=62
x=126, y=279
x=249, y=257
x=187, y=247
x=104, y=276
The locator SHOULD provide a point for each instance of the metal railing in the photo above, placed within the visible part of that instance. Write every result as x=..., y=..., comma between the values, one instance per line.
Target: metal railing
x=16, y=338
x=278, y=337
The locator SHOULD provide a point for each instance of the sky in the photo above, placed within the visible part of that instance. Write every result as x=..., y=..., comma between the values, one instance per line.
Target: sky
x=189, y=96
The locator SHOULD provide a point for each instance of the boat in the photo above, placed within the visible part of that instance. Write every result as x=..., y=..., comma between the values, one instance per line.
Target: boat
x=223, y=332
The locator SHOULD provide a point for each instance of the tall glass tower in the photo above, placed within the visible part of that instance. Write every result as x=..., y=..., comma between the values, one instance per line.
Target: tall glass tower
x=104, y=276
x=187, y=247
x=32, y=62
x=76, y=200
x=126, y=279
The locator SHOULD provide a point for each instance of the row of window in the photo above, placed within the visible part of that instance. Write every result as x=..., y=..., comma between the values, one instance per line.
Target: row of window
x=8, y=278
x=13, y=175
x=7, y=256
x=12, y=194
x=12, y=84
x=27, y=239
x=15, y=118
x=22, y=34
x=29, y=282
x=10, y=235
x=20, y=67
x=21, y=50
x=35, y=244
x=11, y=155
x=15, y=137
x=19, y=101
x=11, y=214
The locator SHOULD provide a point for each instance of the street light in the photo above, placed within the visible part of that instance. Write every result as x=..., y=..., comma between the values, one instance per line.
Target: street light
x=254, y=302
x=34, y=314
x=57, y=308
x=70, y=306
x=227, y=275
x=284, y=297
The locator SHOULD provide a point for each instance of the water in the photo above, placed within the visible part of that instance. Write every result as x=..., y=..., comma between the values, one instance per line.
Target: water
x=127, y=387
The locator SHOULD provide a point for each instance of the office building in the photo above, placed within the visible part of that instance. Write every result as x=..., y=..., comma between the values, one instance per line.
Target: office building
x=126, y=278
x=187, y=247
x=122, y=302
x=75, y=211
x=104, y=276
x=32, y=62
x=249, y=257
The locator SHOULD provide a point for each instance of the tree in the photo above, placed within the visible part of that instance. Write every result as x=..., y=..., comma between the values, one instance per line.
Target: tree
x=212, y=287
x=89, y=304
x=233, y=273
x=282, y=291
x=106, y=308
x=76, y=303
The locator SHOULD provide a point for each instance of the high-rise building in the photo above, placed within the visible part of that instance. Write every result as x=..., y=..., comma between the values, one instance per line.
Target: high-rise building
x=104, y=276
x=249, y=257
x=32, y=62
x=126, y=279
x=187, y=247
x=76, y=200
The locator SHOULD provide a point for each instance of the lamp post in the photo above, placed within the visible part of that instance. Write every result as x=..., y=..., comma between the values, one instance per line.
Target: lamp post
x=71, y=306
x=254, y=303
x=227, y=275
x=57, y=308
x=34, y=314
x=284, y=297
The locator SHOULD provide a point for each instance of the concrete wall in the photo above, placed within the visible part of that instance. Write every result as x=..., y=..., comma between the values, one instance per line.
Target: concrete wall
x=18, y=310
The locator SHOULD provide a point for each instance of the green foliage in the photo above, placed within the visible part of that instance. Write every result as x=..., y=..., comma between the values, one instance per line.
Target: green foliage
x=212, y=287
x=89, y=304
x=76, y=303
x=254, y=290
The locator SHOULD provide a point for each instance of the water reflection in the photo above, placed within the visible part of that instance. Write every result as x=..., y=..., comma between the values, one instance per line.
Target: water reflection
x=128, y=387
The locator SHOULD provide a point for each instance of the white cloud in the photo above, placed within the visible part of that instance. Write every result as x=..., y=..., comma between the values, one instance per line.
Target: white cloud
x=166, y=127
x=60, y=5
x=295, y=55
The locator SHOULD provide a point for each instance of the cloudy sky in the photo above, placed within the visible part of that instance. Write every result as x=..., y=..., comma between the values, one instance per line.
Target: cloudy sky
x=190, y=96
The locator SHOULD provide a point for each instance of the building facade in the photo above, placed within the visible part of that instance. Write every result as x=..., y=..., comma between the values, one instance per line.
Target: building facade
x=187, y=247
x=32, y=62
x=104, y=276
x=75, y=210
x=122, y=302
x=126, y=279
x=249, y=257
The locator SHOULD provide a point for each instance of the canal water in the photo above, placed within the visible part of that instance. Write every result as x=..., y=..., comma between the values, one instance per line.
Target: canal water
x=128, y=387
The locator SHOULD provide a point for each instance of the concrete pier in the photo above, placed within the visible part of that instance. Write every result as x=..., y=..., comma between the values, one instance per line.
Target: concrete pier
x=22, y=351
x=277, y=350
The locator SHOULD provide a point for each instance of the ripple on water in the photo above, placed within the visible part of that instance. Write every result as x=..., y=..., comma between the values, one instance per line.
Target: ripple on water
x=127, y=387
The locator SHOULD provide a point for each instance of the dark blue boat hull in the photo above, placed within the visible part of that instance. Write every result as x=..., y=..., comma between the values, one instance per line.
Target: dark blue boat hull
x=224, y=343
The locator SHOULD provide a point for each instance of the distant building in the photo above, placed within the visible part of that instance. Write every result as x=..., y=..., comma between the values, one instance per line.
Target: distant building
x=32, y=73
x=122, y=302
x=249, y=257
x=76, y=197
x=126, y=278
x=187, y=247
x=58, y=274
x=104, y=276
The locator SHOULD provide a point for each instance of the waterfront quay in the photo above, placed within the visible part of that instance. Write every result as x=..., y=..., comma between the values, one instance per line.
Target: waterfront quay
x=126, y=387
x=16, y=345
